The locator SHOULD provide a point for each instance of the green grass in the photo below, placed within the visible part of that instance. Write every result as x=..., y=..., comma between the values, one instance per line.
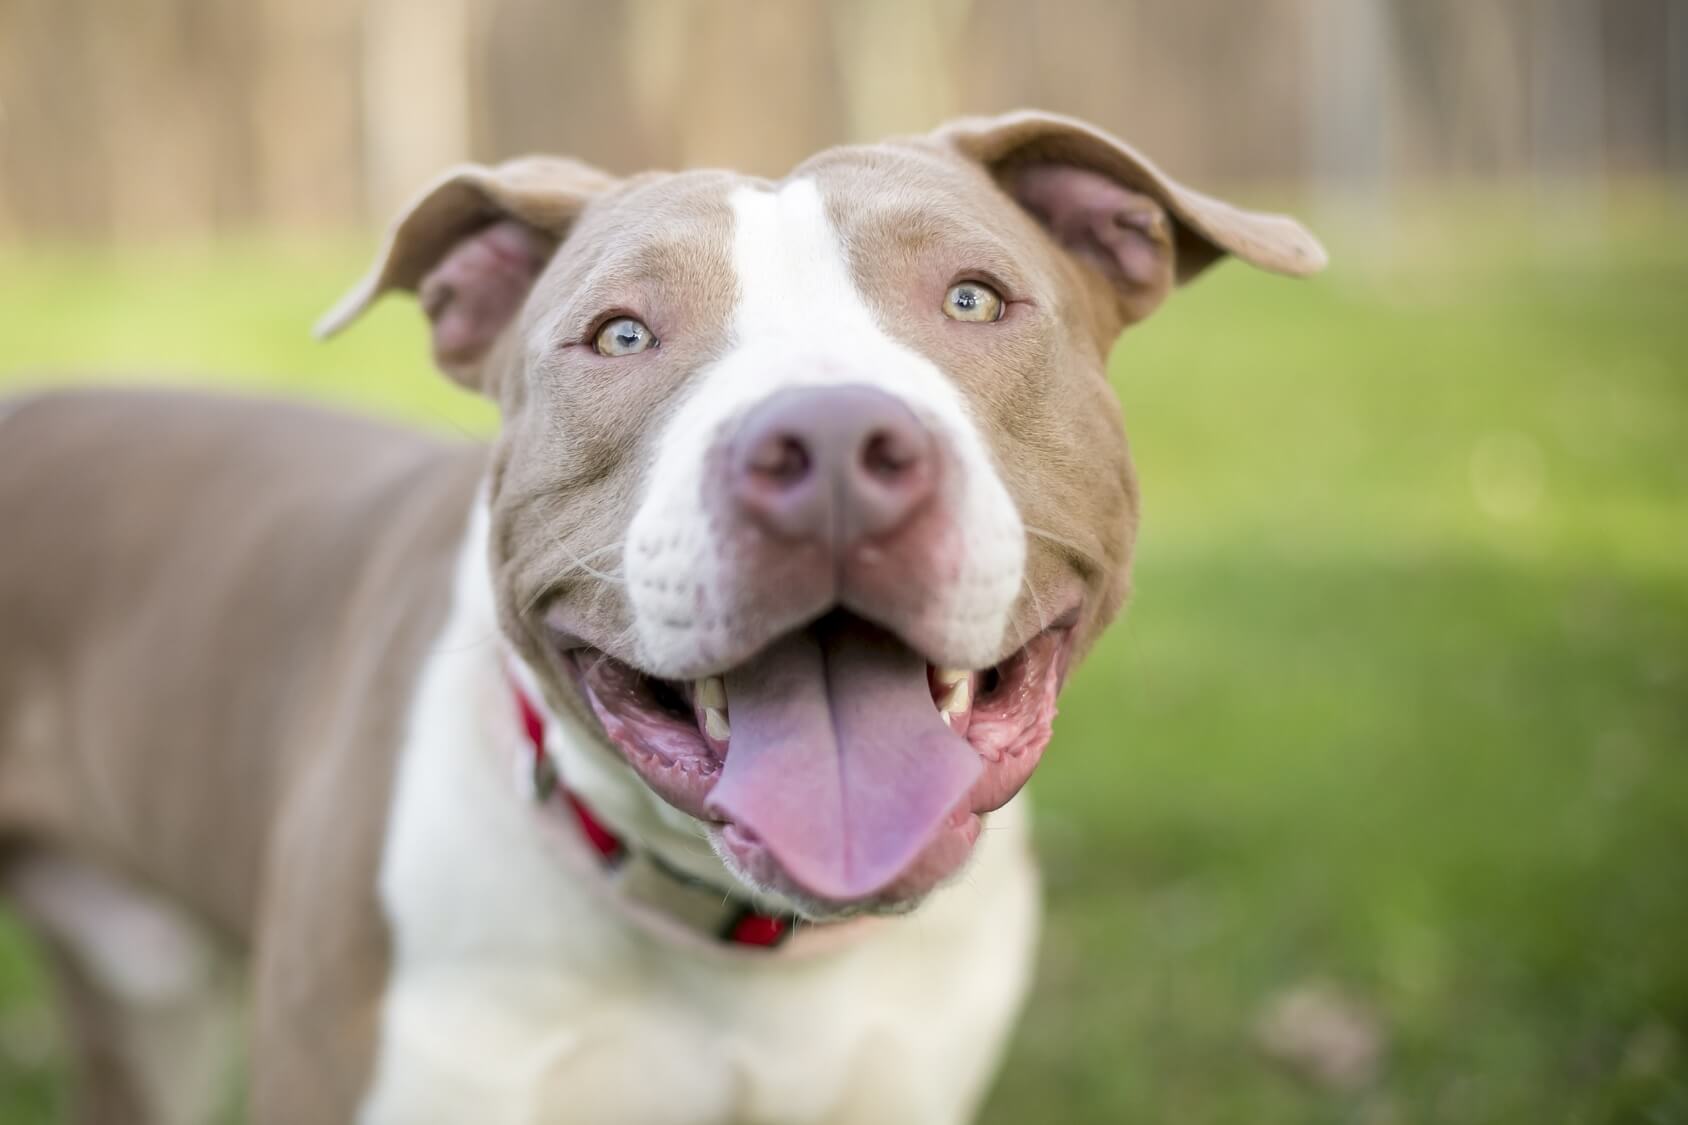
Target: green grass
x=1401, y=703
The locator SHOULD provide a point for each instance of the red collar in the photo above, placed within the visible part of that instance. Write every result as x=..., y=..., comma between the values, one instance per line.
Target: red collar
x=740, y=923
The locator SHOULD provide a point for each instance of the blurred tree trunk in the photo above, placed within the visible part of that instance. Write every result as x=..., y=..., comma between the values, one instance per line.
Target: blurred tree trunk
x=1462, y=106
x=548, y=75
x=899, y=63
x=416, y=95
x=1567, y=89
x=156, y=93
x=307, y=113
x=56, y=169
x=1348, y=111
x=753, y=85
x=744, y=83
x=1567, y=119
x=1676, y=87
x=1635, y=60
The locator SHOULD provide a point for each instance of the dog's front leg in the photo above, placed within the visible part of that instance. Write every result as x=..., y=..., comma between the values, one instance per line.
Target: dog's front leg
x=321, y=955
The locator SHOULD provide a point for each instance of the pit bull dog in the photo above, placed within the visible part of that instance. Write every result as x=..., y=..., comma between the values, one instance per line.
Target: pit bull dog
x=638, y=768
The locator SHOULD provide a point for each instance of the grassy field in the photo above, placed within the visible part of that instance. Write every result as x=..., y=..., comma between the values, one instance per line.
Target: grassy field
x=1375, y=807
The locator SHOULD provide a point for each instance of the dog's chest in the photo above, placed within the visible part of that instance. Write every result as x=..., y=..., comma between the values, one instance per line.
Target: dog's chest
x=829, y=1045
x=520, y=993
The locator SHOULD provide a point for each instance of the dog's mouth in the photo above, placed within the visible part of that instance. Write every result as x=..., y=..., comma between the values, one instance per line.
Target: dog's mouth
x=837, y=765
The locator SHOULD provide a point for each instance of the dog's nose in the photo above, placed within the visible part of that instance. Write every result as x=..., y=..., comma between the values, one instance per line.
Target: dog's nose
x=839, y=464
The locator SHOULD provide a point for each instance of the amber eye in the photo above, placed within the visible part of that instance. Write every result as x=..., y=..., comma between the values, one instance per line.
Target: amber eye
x=623, y=336
x=973, y=301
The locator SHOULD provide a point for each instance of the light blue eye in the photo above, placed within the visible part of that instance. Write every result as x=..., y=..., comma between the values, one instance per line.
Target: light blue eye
x=623, y=336
x=973, y=301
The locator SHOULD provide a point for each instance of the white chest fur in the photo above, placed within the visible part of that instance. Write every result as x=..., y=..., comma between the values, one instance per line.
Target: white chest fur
x=520, y=995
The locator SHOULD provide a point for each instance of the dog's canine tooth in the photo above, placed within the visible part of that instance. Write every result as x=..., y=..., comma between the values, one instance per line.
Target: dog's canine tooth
x=958, y=699
x=949, y=677
x=712, y=693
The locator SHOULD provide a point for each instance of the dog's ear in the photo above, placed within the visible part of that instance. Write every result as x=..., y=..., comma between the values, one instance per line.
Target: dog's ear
x=471, y=246
x=1109, y=205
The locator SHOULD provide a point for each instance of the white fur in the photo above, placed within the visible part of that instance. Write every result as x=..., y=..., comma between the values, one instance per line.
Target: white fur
x=801, y=321
x=522, y=993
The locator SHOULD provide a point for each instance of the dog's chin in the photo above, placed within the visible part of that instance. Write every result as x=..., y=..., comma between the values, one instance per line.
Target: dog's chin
x=907, y=752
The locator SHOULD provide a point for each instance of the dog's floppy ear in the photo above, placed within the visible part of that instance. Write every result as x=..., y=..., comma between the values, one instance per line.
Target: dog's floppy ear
x=1108, y=204
x=471, y=246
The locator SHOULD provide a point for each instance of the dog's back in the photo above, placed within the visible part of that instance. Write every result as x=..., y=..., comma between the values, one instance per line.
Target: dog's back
x=151, y=541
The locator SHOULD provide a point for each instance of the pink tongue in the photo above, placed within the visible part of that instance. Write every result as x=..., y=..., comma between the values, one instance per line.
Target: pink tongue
x=838, y=760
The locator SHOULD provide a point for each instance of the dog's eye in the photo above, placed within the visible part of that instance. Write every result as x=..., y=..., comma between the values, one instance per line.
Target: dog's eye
x=973, y=301
x=623, y=336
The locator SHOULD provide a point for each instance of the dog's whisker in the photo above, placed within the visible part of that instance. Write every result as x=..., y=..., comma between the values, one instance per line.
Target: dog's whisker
x=527, y=606
x=1083, y=553
x=602, y=576
x=577, y=563
x=615, y=545
x=1037, y=604
x=627, y=634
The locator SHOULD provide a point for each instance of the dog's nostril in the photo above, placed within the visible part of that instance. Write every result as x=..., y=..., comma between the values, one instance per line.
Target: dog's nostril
x=781, y=460
x=887, y=454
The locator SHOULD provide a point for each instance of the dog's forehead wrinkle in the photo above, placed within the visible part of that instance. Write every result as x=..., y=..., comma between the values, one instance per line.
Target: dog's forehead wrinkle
x=659, y=227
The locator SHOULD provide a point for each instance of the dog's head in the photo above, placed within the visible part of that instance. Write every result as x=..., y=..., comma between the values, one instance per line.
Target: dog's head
x=808, y=493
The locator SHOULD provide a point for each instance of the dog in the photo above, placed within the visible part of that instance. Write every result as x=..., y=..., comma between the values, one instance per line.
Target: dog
x=635, y=769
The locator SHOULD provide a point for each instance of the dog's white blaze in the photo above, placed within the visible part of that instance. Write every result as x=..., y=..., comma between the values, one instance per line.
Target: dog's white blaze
x=522, y=990
x=801, y=321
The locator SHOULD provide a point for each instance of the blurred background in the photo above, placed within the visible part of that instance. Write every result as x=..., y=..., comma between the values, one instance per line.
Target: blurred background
x=1375, y=806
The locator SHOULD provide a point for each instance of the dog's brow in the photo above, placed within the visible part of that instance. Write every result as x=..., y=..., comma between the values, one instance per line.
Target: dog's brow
x=622, y=276
x=953, y=232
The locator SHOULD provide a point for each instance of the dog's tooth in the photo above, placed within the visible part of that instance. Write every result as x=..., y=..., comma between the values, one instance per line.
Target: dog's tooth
x=958, y=699
x=715, y=724
x=712, y=692
x=949, y=677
